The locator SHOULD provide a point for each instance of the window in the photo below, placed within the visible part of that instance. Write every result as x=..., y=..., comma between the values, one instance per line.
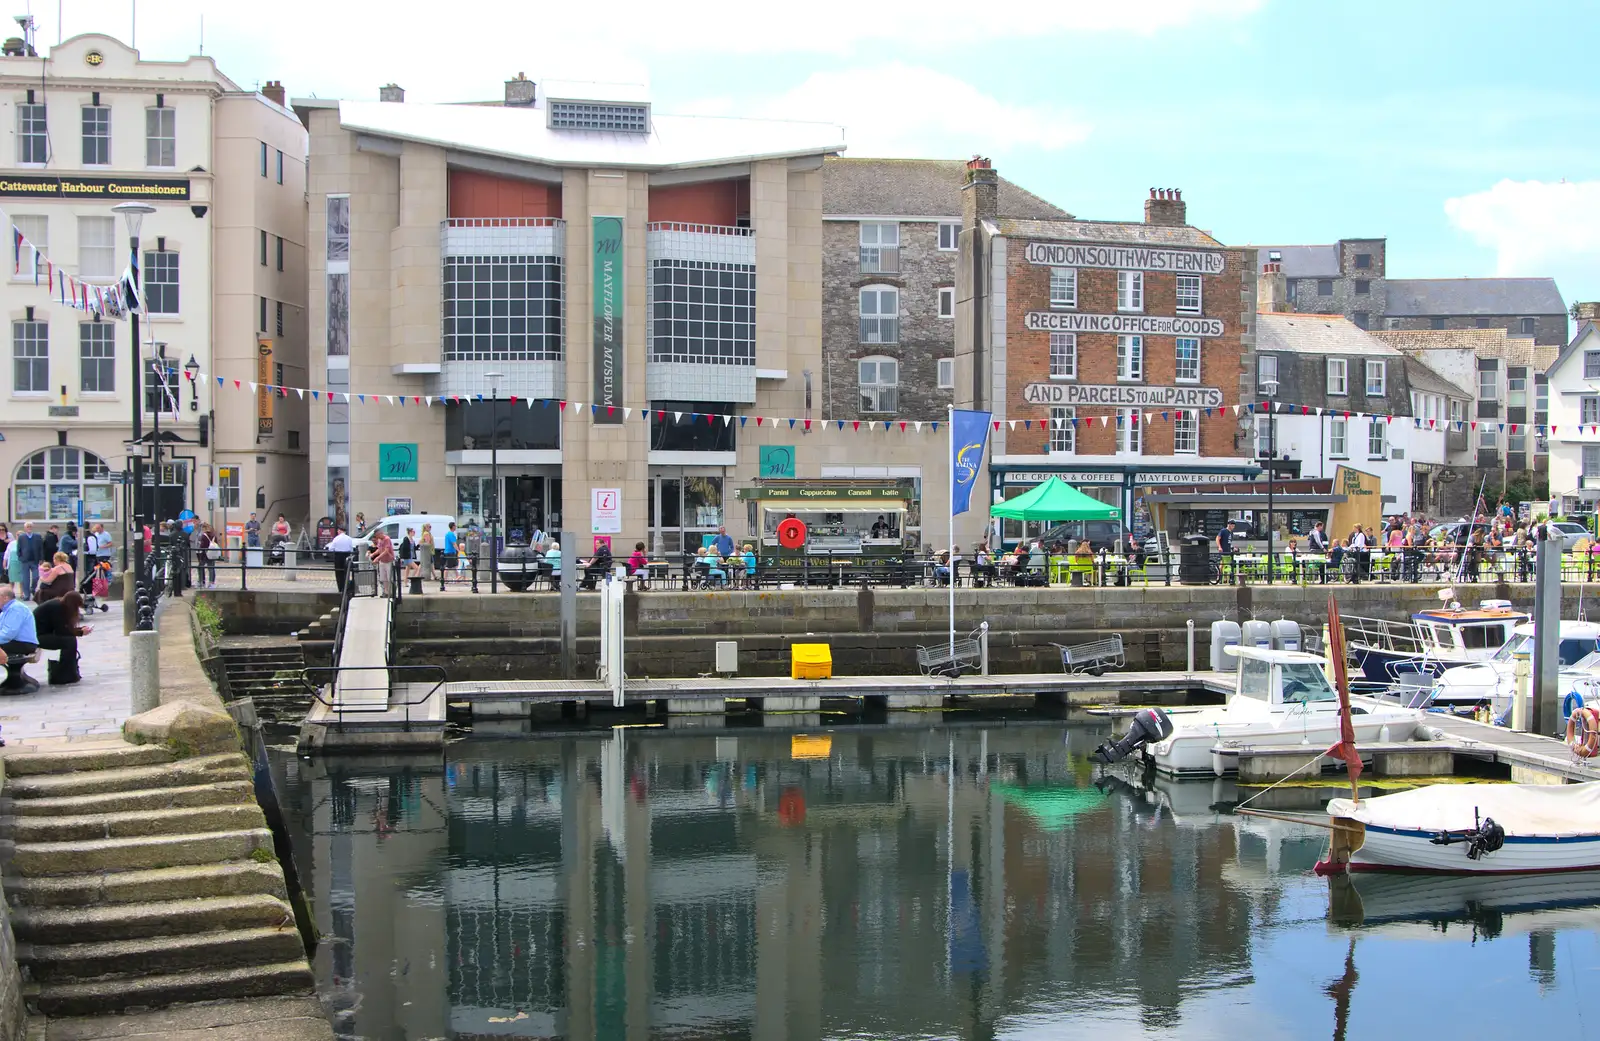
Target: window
x=1063, y=287
x=261, y=252
x=1528, y=326
x=280, y=318
x=1130, y=358
x=509, y=308
x=947, y=301
x=228, y=488
x=947, y=373
x=97, y=357
x=949, y=236
x=1436, y=323
x=1128, y=431
x=880, y=248
x=1516, y=388
x=1324, y=287
x=1363, y=287
x=1541, y=394
x=1267, y=374
x=1591, y=461
x=1489, y=384
x=280, y=166
x=1063, y=356
x=161, y=137
x=1517, y=442
x=1392, y=323
x=880, y=384
x=1591, y=365
x=280, y=252
x=263, y=158
x=1188, y=294
x=1488, y=437
x=1362, y=319
x=1130, y=290
x=97, y=247
x=1063, y=434
x=1338, y=377
x=49, y=485
x=261, y=315
x=96, y=135
x=1186, y=432
x=161, y=282
x=1481, y=323
x=1187, y=367
x=1338, y=430
x=161, y=386
x=1363, y=261
x=1377, y=439
x=30, y=353
x=1458, y=410
x=1376, y=371
x=339, y=231
x=33, y=139
x=294, y=439
x=880, y=314
x=36, y=241
x=1264, y=437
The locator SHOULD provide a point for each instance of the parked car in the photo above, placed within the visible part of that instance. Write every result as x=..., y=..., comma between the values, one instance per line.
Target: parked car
x=1570, y=532
x=396, y=527
x=1107, y=533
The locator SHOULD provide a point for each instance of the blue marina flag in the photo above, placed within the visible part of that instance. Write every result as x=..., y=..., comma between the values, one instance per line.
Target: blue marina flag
x=969, y=431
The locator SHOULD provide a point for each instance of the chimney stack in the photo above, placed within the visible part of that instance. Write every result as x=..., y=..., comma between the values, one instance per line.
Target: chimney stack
x=980, y=198
x=1166, y=207
x=392, y=92
x=1272, y=290
x=520, y=91
x=1587, y=311
x=273, y=92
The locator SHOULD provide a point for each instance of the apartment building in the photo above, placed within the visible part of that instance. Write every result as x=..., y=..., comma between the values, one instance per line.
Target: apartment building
x=223, y=283
x=1573, y=379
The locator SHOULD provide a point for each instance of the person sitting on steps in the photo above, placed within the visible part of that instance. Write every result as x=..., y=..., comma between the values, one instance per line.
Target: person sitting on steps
x=18, y=640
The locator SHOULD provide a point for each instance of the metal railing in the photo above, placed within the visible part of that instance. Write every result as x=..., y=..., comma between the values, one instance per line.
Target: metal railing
x=323, y=692
x=504, y=222
x=700, y=229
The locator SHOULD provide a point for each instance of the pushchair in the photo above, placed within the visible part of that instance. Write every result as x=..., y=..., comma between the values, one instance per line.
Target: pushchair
x=276, y=549
x=96, y=586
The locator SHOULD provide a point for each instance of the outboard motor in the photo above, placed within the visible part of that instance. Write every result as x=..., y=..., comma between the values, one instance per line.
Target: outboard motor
x=1150, y=725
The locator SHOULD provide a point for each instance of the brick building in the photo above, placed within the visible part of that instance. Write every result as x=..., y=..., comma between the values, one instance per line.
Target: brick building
x=1350, y=278
x=1112, y=352
x=889, y=244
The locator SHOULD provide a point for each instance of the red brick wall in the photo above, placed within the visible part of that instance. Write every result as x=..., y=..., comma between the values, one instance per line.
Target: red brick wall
x=474, y=194
x=1028, y=355
x=720, y=203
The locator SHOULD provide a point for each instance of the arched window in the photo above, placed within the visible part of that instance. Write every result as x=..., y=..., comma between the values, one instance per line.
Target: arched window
x=48, y=485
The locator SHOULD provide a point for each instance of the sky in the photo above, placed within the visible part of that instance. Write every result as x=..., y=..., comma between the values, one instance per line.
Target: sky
x=1462, y=130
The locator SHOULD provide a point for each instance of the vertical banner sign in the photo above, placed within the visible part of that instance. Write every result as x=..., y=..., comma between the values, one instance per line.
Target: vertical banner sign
x=608, y=315
x=969, y=431
x=263, y=392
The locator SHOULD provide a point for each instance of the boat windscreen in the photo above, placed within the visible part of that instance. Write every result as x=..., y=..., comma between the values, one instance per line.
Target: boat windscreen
x=1485, y=637
x=1574, y=650
x=1255, y=678
x=1304, y=681
x=1521, y=644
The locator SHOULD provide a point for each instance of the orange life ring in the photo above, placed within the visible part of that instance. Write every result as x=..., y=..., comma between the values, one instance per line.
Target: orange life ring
x=792, y=533
x=1583, y=732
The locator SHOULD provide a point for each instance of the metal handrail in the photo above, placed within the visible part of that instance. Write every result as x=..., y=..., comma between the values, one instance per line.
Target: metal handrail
x=504, y=222
x=317, y=689
x=700, y=229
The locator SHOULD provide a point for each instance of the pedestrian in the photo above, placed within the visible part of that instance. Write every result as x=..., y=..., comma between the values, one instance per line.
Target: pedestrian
x=280, y=529
x=30, y=554
x=474, y=547
x=104, y=544
x=408, y=553
x=425, y=553
x=69, y=546
x=55, y=579
x=361, y=524
x=252, y=532
x=58, y=625
x=209, y=552
x=52, y=542
x=452, y=554
x=723, y=543
x=18, y=640
x=5, y=539
x=381, y=553
x=339, y=548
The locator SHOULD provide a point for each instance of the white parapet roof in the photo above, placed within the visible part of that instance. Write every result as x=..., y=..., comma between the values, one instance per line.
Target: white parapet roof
x=521, y=133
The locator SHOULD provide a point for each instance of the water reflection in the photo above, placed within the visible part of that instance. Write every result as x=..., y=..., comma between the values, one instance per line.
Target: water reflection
x=885, y=883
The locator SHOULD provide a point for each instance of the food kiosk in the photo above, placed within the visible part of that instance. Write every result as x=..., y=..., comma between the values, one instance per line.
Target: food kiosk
x=845, y=520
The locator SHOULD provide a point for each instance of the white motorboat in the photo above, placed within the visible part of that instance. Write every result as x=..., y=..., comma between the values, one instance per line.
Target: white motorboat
x=1432, y=641
x=1470, y=829
x=1284, y=700
x=1493, y=682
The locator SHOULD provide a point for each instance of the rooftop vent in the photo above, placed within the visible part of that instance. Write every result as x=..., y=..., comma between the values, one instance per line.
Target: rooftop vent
x=621, y=117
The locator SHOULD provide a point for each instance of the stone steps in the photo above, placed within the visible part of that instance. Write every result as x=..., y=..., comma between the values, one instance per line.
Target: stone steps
x=108, y=755
x=239, y=878
x=164, y=918
x=153, y=851
x=184, y=820
x=218, y=793
x=219, y=949
x=261, y=1019
x=85, y=997
x=183, y=773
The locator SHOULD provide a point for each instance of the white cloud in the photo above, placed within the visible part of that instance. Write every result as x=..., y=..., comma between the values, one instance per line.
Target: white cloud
x=903, y=110
x=1534, y=227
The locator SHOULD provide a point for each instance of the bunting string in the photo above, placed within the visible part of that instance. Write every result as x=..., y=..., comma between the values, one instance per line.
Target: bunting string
x=117, y=300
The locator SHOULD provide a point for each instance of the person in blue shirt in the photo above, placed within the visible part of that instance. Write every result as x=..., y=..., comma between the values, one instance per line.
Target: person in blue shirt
x=30, y=554
x=19, y=638
x=723, y=543
x=451, y=554
x=552, y=556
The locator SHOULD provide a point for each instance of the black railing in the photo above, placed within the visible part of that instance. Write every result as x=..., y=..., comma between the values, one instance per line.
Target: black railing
x=325, y=693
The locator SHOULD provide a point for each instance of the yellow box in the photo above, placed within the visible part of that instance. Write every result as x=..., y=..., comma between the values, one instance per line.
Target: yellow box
x=810, y=661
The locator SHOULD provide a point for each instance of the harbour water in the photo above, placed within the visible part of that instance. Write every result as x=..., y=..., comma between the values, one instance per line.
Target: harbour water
x=964, y=880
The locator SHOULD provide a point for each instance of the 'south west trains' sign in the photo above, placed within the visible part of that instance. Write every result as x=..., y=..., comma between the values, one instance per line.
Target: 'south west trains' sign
x=1134, y=324
x=1121, y=395
x=1128, y=258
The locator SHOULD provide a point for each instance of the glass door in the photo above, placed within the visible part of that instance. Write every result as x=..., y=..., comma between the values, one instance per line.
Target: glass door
x=684, y=511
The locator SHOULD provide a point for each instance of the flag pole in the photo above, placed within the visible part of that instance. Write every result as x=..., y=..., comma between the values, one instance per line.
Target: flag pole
x=950, y=432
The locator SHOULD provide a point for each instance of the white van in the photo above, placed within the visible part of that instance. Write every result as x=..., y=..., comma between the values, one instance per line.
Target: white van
x=396, y=528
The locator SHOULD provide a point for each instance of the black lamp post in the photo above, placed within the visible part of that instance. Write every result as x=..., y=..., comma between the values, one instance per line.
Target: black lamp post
x=192, y=367
x=133, y=214
x=494, y=379
x=1270, y=387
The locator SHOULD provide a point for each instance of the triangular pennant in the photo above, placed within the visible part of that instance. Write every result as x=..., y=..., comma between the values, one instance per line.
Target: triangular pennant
x=854, y=426
x=791, y=424
x=840, y=422
x=252, y=388
x=594, y=410
x=627, y=413
x=1011, y=423
x=935, y=426
x=219, y=381
x=611, y=410
x=902, y=426
x=563, y=405
x=918, y=425
x=677, y=417
x=1027, y=424
x=807, y=426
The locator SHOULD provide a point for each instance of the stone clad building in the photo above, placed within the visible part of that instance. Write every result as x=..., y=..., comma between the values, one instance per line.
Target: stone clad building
x=1112, y=352
x=890, y=237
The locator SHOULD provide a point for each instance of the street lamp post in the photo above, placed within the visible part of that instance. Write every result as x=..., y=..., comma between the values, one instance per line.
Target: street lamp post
x=133, y=214
x=1271, y=389
x=494, y=379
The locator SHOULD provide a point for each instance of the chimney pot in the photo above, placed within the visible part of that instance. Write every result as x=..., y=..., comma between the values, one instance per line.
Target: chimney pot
x=1272, y=290
x=978, y=162
x=980, y=193
x=520, y=91
x=1587, y=311
x=1165, y=207
x=391, y=92
x=273, y=91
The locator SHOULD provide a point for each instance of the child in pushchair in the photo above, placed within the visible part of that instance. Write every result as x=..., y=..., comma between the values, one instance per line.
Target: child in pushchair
x=96, y=586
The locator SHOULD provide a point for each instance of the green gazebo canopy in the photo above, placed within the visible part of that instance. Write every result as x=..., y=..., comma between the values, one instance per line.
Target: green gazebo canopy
x=1055, y=500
